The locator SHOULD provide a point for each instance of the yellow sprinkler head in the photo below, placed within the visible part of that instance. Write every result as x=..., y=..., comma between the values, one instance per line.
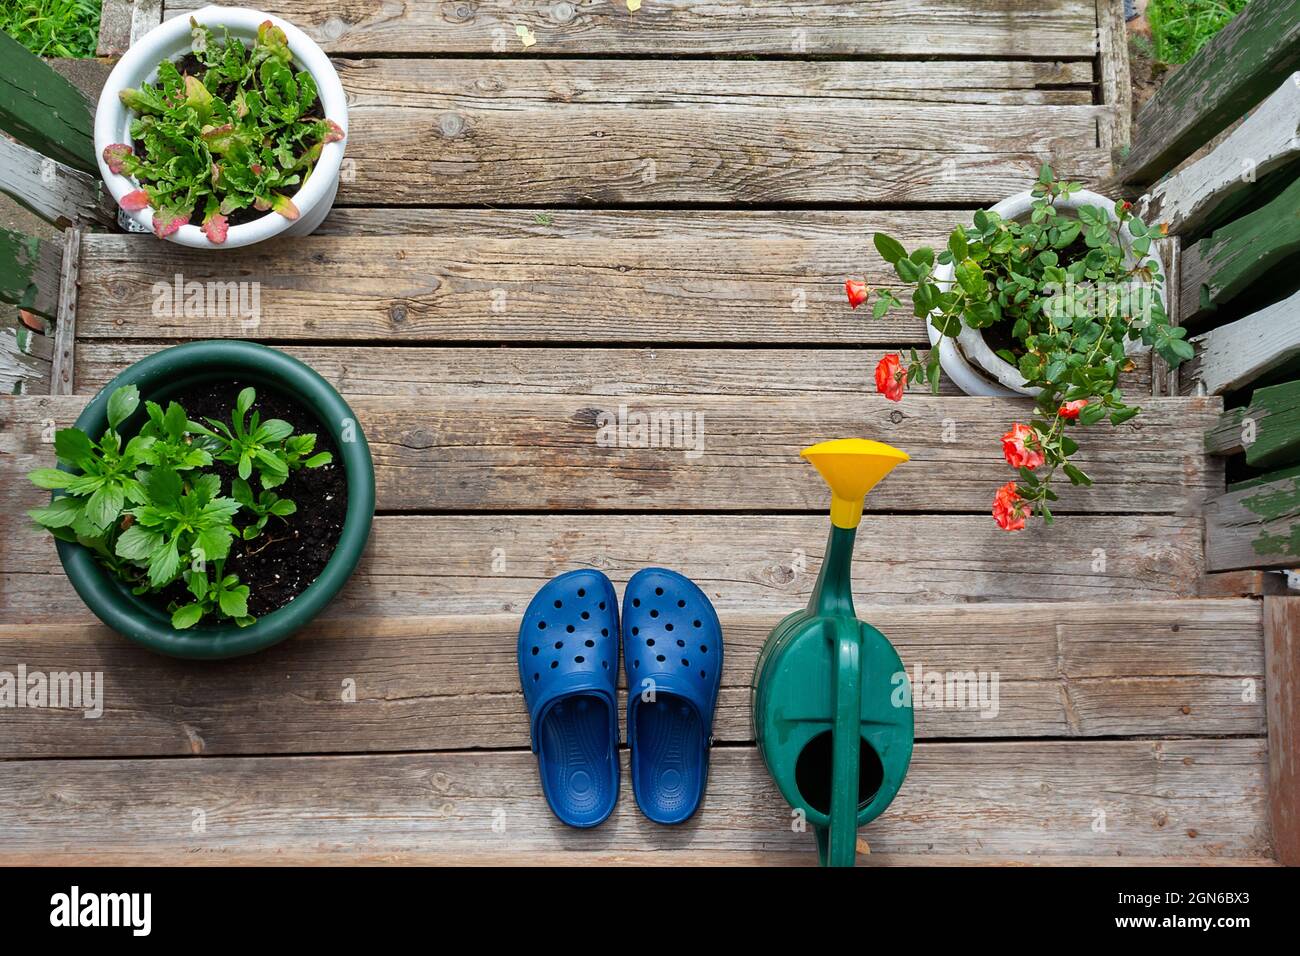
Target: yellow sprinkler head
x=852, y=467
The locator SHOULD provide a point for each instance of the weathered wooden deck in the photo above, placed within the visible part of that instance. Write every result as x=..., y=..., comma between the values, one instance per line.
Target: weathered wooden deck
x=658, y=209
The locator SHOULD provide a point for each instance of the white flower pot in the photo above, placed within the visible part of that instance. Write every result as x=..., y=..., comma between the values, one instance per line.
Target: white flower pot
x=171, y=40
x=969, y=361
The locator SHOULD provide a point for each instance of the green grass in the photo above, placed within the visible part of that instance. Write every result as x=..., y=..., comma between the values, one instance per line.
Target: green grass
x=1181, y=27
x=53, y=27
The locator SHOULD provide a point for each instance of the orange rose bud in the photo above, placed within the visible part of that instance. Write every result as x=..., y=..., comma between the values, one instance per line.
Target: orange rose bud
x=1072, y=409
x=1009, y=508
x=889, y=377
x=857, y=292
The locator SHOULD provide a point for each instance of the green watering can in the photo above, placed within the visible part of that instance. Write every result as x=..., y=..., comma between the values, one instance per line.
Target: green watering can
x=832, y=707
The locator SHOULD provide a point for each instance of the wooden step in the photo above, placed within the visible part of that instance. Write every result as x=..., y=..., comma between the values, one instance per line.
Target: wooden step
x=1007, y=28
x=1201, y=799
x=1162, y=668
x=728, y=453
x=468, y=564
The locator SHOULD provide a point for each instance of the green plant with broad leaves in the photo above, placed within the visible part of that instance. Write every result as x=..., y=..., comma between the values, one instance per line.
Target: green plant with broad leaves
x=243, y=130
x=150, y=514
x=268, y=447
x=1068, y=301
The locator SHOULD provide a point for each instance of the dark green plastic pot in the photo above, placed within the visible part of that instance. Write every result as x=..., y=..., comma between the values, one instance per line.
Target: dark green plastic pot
x=165, y=374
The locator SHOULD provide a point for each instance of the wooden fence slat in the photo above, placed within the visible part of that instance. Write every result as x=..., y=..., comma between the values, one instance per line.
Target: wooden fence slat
x=1238, y=67
x=451, y=683
x=1224, y=264
x=65, y=326
x=1267, y=430
x=1234, y=355
x=42, y=109
x=1255, y=526
x=55, y=192
x=582, y=452
x=1116, y=82
x=1161, y=798
x=24, y=365
x=443, y=564
x=1267, y=140
x=1282, y=660
x=1007, y=28
x=29, y=272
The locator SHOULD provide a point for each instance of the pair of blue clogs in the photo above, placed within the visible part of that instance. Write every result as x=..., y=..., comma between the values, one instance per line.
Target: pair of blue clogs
x=568, y=666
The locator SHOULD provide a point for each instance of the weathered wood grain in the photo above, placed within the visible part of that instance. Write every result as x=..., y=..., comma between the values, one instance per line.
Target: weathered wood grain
x=1267, y=430
x=55, y=192
x=1224, y=264
x=524, y=370
x=1007, y=28
x=62, y=363
x=1238, y=67
x=619, y=452
x=467, y=564
x=416, y=289
x=40, y=108
x=1267, y=140
x=447, y=683
x=1256, y=526
x=29, y=272
x=556, y=85
x=1236, y=354
x=1116, y=82
x=1183, y=798
x=1282, y=659
x=868, y=153
x=24, y=365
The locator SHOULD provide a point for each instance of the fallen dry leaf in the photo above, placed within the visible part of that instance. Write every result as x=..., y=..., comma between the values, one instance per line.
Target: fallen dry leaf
x=526, y=36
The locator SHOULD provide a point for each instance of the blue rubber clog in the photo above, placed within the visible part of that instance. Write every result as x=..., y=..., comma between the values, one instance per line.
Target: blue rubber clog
x=672, y=654
x=568, y=666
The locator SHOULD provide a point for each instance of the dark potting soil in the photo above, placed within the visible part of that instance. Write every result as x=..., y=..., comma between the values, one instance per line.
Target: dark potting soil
x=189, y=65
x=290, y=553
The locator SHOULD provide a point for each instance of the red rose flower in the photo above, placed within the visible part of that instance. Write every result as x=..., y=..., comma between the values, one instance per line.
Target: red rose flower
x=889, y=378
x=857, y=291
x=1009, y=508
x=1072, y=409
x=1018, y=454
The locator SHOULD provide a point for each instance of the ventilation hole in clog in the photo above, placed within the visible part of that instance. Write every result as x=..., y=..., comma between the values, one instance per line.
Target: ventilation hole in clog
x=668, y=627
x=701, y=673
x=585, y=616
x=537, y=677
x=659, y=591
x=579, y=659
x=605, y=664
x=636, y=631
x=681, y=604
x=602, y=605
x=590, y=643
x=650, y=642
x=680, y=642
x=636, y=602
x=636, y=663
x=559, y=644
x=559, y=604
x=685, y=662
x=604, y=632
x=582, y=592
x=536, y=651
x=704, y=648
x=696, y=624
x=541, y=625
x=660, y=658
x=554, y=664
x=654, y=613
x=569, y=628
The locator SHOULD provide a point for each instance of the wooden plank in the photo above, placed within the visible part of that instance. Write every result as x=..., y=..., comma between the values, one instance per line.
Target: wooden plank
x=114, y=27
x=24, y=366
x=55, y=192
x=1116, y=83
x=582, y=452
x=1243, y=63
x=474, y=564
x=523, y=370
x=65, y=324
x=42, y=109
x=998, y=28
x=1256, y=526
x=415, y=289
x=1267, y=430
x=1234, y=355
x=29, y=272
x=1282, y=659
x=1162, y=798
x=1169, y=252
x=1162, y=668
x=145, y=15
x=511, y=85
x=1225, y=263
x=865, y=153
x=1268, y=140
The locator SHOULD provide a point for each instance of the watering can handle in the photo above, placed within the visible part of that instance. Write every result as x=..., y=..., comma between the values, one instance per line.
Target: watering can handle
x=846, y=752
